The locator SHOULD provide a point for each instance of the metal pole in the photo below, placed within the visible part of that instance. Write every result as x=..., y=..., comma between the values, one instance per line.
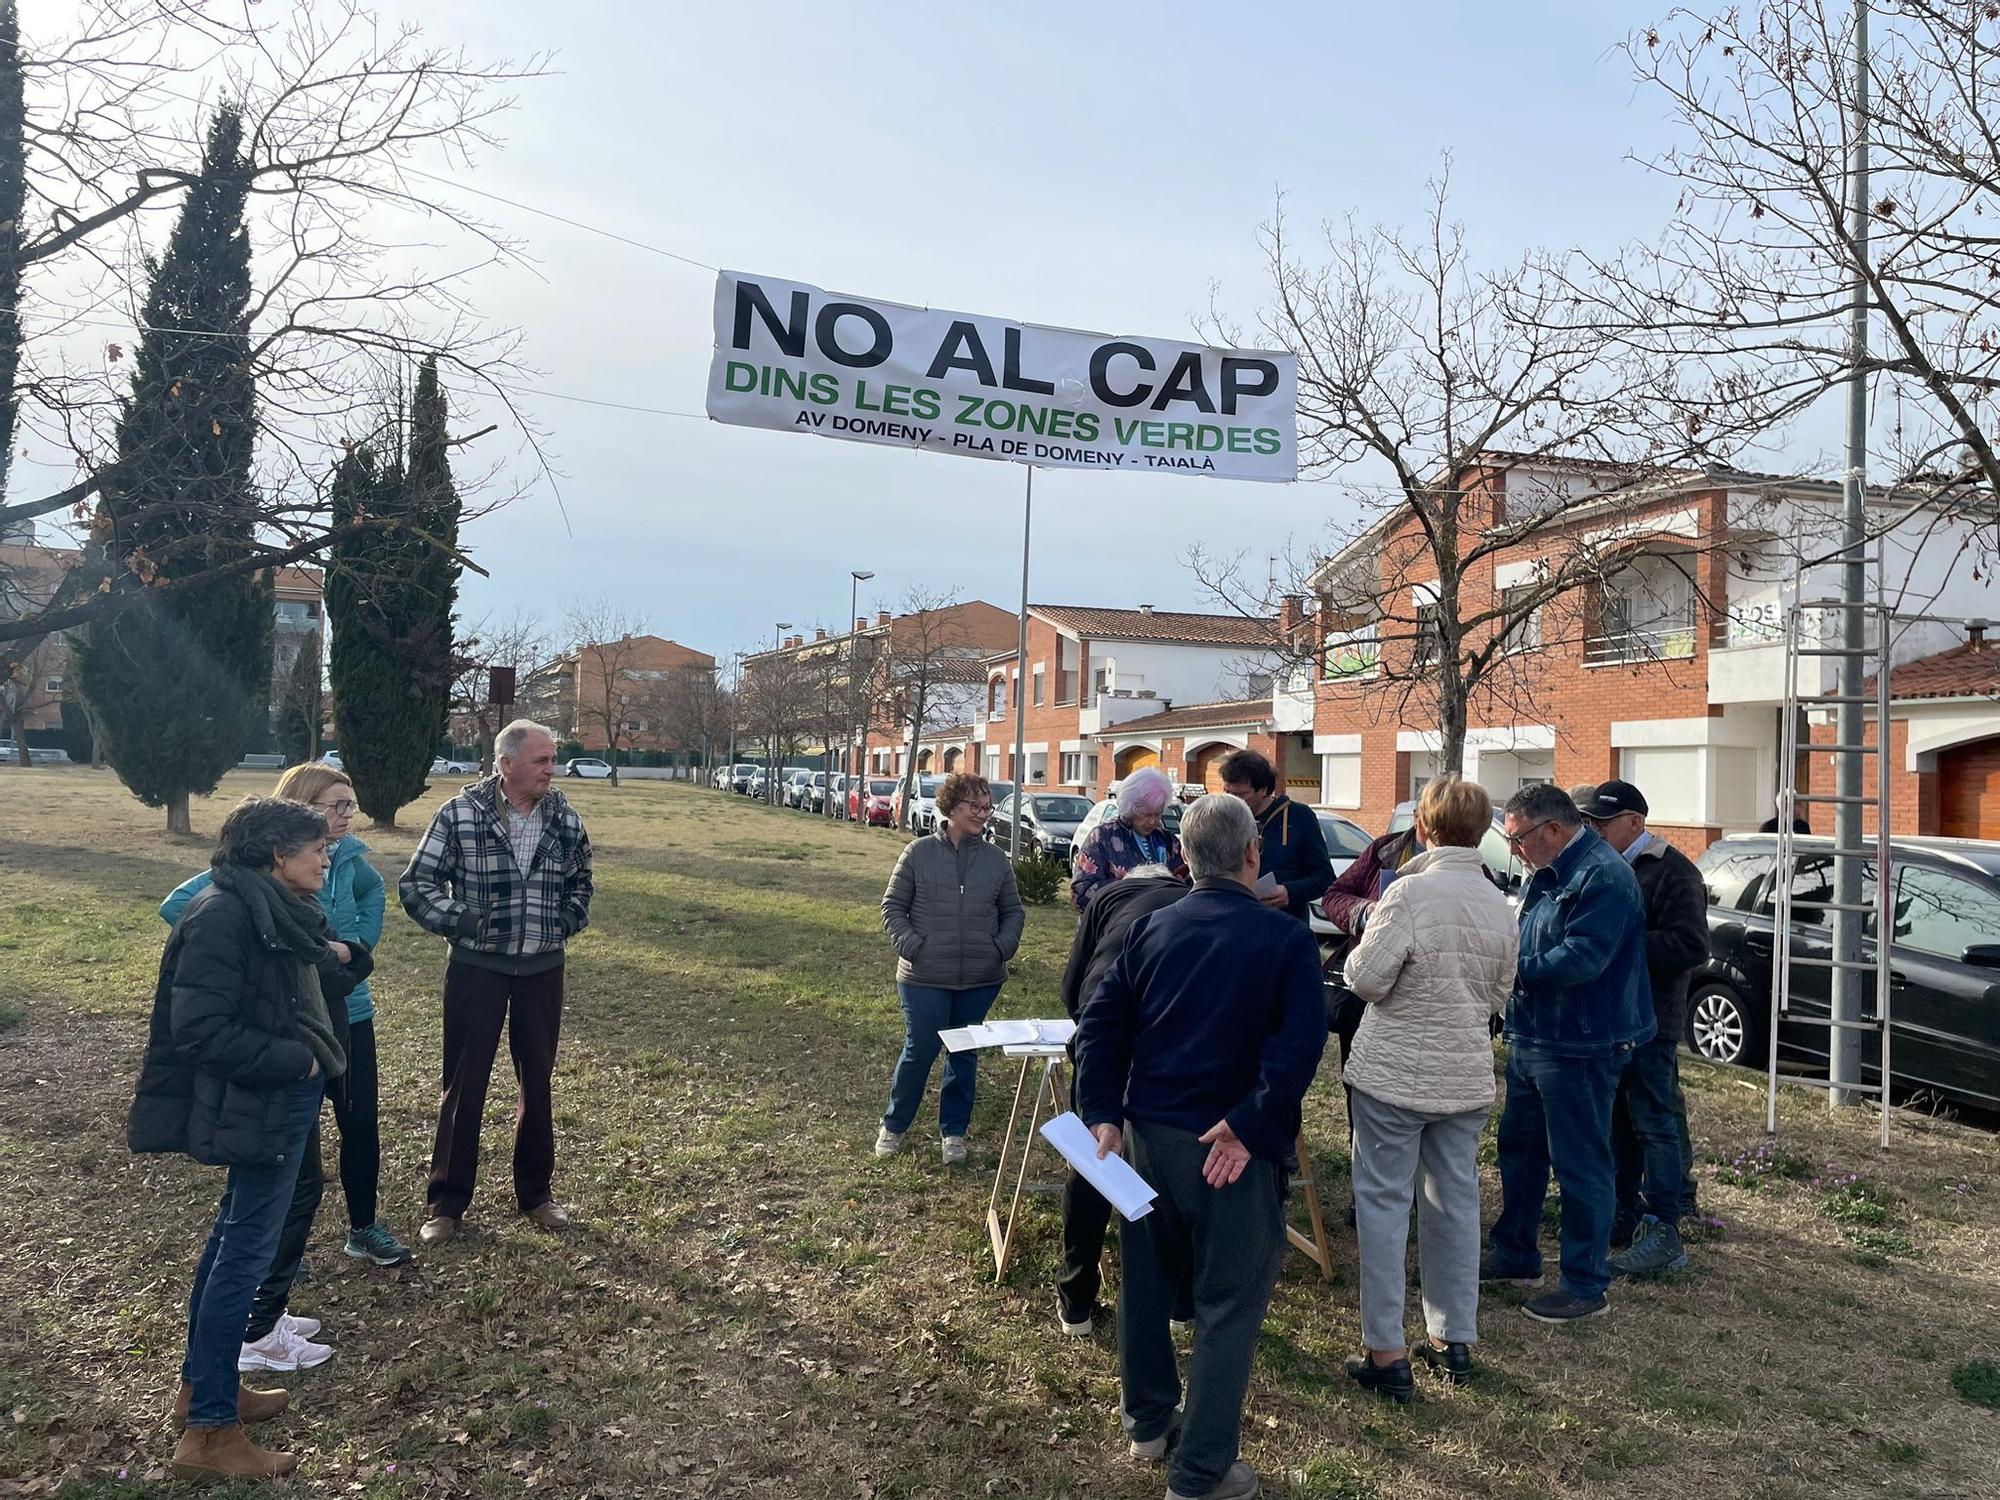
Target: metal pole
x=857, y=577
x=1021, y=679
x=1844, y=1042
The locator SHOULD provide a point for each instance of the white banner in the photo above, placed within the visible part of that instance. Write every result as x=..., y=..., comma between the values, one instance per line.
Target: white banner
x=796, y=358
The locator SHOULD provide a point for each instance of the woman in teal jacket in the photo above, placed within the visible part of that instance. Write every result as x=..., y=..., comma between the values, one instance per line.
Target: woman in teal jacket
x=352, y=898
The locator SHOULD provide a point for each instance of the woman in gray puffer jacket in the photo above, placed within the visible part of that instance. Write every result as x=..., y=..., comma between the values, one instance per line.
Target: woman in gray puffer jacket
x=954, y=917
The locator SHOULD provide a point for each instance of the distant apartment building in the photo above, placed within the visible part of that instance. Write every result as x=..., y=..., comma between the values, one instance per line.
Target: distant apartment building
x=634, y=676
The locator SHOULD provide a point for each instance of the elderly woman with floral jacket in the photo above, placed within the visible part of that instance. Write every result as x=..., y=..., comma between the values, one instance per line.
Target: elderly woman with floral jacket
x=1137, y=836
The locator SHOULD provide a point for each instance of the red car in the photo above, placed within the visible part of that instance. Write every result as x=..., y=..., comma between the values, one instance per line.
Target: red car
x=873, y=801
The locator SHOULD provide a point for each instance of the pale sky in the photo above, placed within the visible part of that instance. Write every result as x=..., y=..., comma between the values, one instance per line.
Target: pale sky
x=1089, y=166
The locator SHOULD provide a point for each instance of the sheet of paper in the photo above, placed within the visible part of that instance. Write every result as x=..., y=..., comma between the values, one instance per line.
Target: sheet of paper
x=1007, y=1034
x=1267, y=885
x=1123, y=1188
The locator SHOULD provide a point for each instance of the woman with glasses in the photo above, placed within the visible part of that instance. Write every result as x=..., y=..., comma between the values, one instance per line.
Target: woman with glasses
x=954, y=917
x=1137, y=836
x=351, y=895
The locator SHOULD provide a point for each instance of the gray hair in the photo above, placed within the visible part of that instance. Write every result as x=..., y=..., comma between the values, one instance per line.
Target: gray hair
x=508, y=742
x=1545, y=803
x=1146, y=790
x=1214, y=834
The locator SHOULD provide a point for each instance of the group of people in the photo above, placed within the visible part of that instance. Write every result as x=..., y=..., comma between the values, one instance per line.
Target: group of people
x=263, y=1012
x=1203, y=1004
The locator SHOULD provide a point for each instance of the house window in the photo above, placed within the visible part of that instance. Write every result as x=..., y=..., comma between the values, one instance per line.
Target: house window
x=1351, y=653
x=997, y=697
x=1645, y=611
x=1340, y=780
x=1038, y=699
x=1521, y=621
x=1429, y=636
x=52, y=685
x=1090, y=769
x=1072, y=768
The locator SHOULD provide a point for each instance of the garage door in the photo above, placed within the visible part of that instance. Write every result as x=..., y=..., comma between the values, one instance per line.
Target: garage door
x=1136, y=759
x=1969, y=791
x=1206, y=767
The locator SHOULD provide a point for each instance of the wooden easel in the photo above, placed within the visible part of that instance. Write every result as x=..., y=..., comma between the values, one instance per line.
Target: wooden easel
x=1313, y=1249
x=1051, y=1099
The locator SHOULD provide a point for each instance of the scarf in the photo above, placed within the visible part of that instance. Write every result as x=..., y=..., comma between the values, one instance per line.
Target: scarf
x=299, y=923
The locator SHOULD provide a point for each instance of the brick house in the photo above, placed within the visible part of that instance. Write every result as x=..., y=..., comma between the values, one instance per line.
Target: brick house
x=956, y=639
x=642, y=666
x=1668, y=669
x=1092, y=671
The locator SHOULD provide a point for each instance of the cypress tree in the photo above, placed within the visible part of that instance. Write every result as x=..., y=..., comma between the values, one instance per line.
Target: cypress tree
x=179, y=681
x=389, y=600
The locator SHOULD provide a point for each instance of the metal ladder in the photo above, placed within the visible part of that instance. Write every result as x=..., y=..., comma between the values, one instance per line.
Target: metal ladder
x=1808, y=624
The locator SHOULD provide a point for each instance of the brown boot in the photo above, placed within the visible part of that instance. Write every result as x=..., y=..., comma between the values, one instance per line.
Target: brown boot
x=206, y=1454
x=251, y=1405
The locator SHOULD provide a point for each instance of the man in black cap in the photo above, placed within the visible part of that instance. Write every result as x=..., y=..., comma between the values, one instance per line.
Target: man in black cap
x=1649, y=1132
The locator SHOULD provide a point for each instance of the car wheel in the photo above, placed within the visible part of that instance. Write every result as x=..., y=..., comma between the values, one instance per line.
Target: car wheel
x=1721, y=1027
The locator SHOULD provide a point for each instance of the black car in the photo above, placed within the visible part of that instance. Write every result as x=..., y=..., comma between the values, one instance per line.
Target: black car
x=1944, y=961
x=1048, y=824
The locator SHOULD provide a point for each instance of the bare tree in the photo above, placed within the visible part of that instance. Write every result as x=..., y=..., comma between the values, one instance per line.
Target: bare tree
x=778, y=705
x=1466, y=417
x=23, y=692
x=1757, y=270
x=690, y=707
x=518, y=640
x=346, y=121
x=602, y=637
x=930, y=677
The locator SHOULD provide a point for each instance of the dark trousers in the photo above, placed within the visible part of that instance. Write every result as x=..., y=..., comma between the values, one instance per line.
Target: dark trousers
x=356, y=1110
x=1558, y=1115
x=1649, y=1135
x=476, y=1003
x=274, y=1292
x=1229, y=1243
x=239, y=1248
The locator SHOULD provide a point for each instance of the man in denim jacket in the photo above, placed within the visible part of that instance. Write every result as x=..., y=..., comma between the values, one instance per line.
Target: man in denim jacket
x=1581, y=1003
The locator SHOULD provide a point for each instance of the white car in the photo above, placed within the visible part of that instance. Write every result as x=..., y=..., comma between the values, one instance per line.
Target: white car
x=587, y=766
x=331, y=758
x=445, y=767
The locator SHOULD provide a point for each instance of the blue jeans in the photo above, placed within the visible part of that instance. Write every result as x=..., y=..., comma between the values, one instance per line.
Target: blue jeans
x=1649, y=1132
x=238, y=1256
x=926, y=1012
x=1558, y=1114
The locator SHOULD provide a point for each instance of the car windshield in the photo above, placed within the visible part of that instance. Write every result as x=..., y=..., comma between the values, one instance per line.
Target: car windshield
x=1343, y=839
x=881, y=788
x=1061, y=809
x=927, y=785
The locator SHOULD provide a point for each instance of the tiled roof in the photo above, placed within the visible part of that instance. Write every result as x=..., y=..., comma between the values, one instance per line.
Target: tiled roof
x=1158, y=625
x=1194, y=716
x=1969, y=670
x=954, y=732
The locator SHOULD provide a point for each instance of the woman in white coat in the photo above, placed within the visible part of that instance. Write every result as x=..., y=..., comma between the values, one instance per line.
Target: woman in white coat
x=1435, y=964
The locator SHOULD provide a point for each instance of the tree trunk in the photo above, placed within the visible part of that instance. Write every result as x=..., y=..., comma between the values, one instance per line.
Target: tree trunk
x=177, y=814
x=1451, y=720
x=611, y=754
x=387, y=820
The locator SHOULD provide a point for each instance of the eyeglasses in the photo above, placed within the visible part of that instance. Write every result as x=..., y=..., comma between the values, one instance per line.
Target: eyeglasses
x=339, y=809
x=1515, y=840
x=979, y=809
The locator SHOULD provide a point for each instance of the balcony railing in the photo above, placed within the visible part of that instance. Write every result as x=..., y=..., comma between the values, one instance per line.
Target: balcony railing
x=1673, y=642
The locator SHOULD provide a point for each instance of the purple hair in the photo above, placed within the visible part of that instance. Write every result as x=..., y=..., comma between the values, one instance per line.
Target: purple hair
x=1144, y=791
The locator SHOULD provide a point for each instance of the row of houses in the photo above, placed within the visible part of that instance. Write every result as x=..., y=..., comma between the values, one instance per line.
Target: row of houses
x=1665, y=664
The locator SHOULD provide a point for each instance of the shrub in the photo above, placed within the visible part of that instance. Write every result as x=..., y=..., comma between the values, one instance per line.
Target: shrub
x=1040, y=879
x=1978, y=1381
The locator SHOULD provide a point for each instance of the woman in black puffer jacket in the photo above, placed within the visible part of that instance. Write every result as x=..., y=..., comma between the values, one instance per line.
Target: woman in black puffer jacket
x=242, y=1046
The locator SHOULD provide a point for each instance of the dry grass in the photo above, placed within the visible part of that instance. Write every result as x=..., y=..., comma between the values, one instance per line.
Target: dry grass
x=752, y=1305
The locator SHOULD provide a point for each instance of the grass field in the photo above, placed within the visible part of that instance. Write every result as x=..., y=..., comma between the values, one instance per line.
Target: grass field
x=751, y=1304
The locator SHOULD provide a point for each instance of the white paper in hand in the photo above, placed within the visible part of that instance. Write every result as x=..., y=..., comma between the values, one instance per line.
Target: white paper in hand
x=1267, y=885
x=1123, y=1188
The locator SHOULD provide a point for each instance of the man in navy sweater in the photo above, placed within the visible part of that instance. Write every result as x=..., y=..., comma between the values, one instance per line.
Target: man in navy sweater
x=1293, y=851
x=1193, y=1054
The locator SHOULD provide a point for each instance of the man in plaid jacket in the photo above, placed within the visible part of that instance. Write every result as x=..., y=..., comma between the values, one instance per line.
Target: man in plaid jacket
x=504, y=873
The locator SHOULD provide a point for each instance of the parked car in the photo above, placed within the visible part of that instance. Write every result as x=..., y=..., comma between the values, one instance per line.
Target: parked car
x=1502, y=863
x=1170, y=819
x=1944, y=962
x=445, y=766
x=813, y=798
x=587, y=766
x=1048, y=821
x=331, y=758
x=792, y=782
x=871, y=800
x=918, y=812
x=740, y=776
x=38, y=755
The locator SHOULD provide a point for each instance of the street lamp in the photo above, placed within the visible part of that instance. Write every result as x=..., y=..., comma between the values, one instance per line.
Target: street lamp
x=771, y=735
x=860, y=576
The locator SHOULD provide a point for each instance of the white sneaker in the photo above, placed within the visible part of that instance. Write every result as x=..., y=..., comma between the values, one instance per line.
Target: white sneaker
x=305, y=1328
x=888, y=1142
x=1074, y=1330
x=954, y=1150
x=281, y=1349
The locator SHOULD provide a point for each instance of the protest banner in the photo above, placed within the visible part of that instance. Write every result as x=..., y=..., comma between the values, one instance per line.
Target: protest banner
x=795, y=358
